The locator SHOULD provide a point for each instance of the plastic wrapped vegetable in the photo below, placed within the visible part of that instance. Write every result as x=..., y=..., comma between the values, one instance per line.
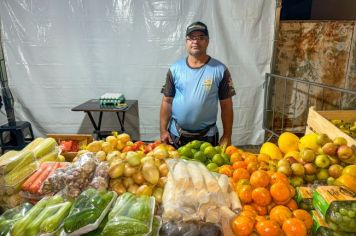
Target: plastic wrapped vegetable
x=9, y=217
x=130, y=216
x=87, y=209
x=101, y=177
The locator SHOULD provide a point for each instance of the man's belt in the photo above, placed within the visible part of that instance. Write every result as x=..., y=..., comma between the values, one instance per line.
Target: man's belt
x=192, y=134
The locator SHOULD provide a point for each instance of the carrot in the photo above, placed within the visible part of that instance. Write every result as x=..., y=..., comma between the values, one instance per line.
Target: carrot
x=25, y=186
x=55, y=167
x=41, y=178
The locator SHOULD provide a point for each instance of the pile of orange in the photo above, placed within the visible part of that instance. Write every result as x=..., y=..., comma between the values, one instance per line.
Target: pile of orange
x=266, y=196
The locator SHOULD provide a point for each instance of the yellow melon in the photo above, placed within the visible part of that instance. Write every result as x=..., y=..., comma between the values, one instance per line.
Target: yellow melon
x=309, y=141
x=272, y=150
x=288, y=142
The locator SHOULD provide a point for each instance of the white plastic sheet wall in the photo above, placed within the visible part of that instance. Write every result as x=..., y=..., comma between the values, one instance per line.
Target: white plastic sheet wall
x=60, y=53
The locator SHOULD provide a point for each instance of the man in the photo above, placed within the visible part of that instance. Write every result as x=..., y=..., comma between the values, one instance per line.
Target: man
x=193, y=87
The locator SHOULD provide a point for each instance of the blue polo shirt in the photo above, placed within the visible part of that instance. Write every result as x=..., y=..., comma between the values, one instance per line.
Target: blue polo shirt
x=196, y=92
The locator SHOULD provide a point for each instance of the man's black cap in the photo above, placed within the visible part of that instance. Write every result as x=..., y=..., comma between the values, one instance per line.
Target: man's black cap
x=197, y=26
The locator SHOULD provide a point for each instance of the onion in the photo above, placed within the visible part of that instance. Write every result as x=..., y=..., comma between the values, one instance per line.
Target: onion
x=128, y=182
x=161, y=182
x=160, y=152
x=144, y=190
x=138, y=178
x=157, y=194
x=133, y=188
x=163, y=169
x=150, y=173
x=133, y=158
x=119, y=188
x=129, y=171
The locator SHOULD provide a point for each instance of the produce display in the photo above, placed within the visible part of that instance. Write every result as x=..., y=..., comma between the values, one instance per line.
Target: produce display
x=297, y=186
x=348, y=128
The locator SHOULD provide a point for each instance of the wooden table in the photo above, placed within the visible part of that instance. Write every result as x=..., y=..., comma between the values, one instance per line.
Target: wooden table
x=93, y=105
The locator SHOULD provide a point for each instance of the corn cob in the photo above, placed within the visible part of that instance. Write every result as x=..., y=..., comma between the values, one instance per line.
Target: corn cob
x=19, y=175
x=33, y=144
x=46, y=146
x=51, y=156
x=19, y=160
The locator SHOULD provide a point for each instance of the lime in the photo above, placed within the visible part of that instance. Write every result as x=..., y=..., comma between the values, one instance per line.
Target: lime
x=196, y=144
x=199, y=156
x=218, y=149
x=226, y=158
x=184, y=157
x=185, y=151
x=189, y=145
x=343, y=211
x=209, y=152
x=218, y=159
x=204, y=145
x=212, y=167
x=194, y=151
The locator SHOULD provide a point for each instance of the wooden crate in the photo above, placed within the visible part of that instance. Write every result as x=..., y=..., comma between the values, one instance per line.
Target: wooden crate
x=84, y=139
x=318, y=122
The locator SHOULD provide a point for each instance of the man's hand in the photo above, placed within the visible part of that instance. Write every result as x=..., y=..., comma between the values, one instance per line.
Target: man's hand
x=225, y=141
x=166, y=137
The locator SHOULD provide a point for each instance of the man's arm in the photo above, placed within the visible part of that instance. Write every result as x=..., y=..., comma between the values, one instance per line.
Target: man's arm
x=165, y=116
x=227, y=118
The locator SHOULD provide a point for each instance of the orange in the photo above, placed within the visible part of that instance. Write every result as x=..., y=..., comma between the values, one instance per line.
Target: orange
x=268, y=228
x=240, y=183
x=226, y=170
x=261, y=210
x=292, y=190
x=235, y=157
x=292, y=205
x=293, y=227
x=245, y=194
x=280, y=214
x=231, y=149
x=240, y=173
x=242, y=225
x=304, y=216
x=248, y=207
x=259, y=178
x=260, y=218
x=252, y=166
x=280, y=192
x=262, y=157
x=261, y=196
x=249, y=157
x=239, y=164
x=278, y=176
x=249, y=212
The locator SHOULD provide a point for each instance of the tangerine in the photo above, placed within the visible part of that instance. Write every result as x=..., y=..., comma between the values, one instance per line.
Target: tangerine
x=280, y=214
x=304, y=216
x=278, y=176
x=280, y=192
x=261, y=196
x=292, y=205
x=268, y=228
x=252, y=166
x=242, y=225
x=226, y=170
x=231, y=149
x=294, y=226
x=263, y=157
x=239, y=164
x=245, y=194
x=259, y=178
x=261, y=210
x=240, y=173
x=235, y=157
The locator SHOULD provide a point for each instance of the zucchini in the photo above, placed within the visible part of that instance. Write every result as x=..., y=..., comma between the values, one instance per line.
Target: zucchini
x=52, y=223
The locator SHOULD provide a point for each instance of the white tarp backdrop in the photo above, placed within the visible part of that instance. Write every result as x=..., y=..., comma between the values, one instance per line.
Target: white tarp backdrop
x=61, y=53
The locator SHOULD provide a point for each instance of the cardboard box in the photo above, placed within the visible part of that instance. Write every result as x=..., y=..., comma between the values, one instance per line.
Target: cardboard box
x=83, y=140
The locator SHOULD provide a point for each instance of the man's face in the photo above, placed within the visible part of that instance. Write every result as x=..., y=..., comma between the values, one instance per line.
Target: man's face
x=197, y=43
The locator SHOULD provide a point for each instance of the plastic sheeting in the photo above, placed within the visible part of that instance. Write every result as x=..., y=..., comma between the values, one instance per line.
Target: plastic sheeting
x=60, y=53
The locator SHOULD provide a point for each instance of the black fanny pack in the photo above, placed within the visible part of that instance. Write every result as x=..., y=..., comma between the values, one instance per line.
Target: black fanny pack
x=192, y=134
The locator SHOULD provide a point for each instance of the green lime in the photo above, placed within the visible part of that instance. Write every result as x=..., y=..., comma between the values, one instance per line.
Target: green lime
x=343, y=211
x=194, y=151
x=212, y=167
x=218, y=159
x=199, y=156
x=204, y=145
x=226, y=158
x=209, y=152
x=218, y=149
x=184, y=157
x=196, y=144
x=351, y=213
x=185, y=151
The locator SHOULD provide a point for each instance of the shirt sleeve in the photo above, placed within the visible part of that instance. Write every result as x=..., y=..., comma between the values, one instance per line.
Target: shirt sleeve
x=226, y=86
x=168, y=89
